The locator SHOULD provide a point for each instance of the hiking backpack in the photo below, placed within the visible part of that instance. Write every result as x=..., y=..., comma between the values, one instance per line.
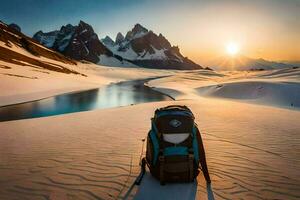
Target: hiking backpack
x=174, y=146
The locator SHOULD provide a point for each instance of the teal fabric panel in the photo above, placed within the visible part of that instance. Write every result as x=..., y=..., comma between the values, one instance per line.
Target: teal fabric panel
x=154, y=140
x=172, y=151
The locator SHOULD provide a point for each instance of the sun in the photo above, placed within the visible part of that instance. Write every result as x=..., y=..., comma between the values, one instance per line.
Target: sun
x=232, y=48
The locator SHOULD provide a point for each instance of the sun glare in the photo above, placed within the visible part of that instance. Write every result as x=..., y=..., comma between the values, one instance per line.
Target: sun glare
x=232, y=48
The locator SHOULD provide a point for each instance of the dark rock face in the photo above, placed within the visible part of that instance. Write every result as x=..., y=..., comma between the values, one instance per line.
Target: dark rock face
x=85, y=44
x=78, y=42
x=119, y=39
x=63, y=37
x=15, y=26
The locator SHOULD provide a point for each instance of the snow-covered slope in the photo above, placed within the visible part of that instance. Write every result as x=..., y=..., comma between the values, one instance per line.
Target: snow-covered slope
x=282, y=94
x=252, y=153
x=114, y=62
x=147, y=49
x=278, y=88
x=16, y=48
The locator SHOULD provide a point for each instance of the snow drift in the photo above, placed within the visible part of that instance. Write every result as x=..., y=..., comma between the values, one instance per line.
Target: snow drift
x=286, y=94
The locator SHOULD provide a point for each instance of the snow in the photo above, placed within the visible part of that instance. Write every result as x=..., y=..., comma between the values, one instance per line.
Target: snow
x=2, y=44
x=130, y=54
x=15, y=35
x=21, y=50
x=107, y=41
x=279, y=88
x=65, y=42
x=85, y=30
x=246, y=153
x=63, y=45
x=157, y=55
x=177, y=191
x=48, y=41
x=252, y=150
x=286, y=94
x=17, y=90
x=114, y=62
x=139, y=34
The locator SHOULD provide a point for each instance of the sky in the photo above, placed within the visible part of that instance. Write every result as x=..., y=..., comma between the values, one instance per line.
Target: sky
x=202, y=29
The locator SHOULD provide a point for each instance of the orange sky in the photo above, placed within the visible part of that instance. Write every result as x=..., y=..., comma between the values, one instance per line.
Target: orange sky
x=262, y=30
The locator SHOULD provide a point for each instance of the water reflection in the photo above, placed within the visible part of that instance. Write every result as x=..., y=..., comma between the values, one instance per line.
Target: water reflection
x=114, y=95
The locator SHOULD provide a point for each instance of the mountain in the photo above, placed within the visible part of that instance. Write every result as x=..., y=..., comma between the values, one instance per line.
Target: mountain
x=119, y=38
x=294, y=63
x=15, y=26
x=140, y=47
x=107, y=40
x=146, y=49
x=79, y=42
x=245, y=63
x=18, y=49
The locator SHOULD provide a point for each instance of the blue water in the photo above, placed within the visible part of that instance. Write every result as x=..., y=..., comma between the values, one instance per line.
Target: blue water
x=113, y=95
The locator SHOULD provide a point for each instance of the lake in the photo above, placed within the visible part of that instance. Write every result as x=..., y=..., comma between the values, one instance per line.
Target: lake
x=113, y=95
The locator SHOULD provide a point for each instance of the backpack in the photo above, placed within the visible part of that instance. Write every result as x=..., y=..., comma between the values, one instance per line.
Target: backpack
x=174, y=146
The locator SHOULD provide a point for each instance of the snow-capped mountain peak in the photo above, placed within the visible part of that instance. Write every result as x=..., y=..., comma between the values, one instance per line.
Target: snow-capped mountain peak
x=79, y=42
x=119, y=38
x=84, y=28
x=108, y=41
x=140, y=46
x=145, y=48
x=137, y=31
